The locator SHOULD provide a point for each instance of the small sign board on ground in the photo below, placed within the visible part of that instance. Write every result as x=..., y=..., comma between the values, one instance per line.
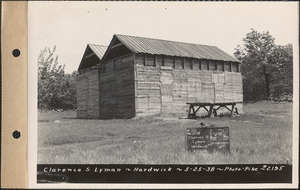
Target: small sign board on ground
x=208, y=138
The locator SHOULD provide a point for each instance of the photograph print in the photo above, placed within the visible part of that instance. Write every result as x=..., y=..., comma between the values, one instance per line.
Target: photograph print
x=164, y=92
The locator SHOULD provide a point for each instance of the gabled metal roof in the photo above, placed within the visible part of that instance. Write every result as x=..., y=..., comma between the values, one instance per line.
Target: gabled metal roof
x=171, y=48
x=99, y=50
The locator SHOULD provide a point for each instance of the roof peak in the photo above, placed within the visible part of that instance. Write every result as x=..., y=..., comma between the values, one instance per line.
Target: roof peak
x=164, y=40
x=97, y=45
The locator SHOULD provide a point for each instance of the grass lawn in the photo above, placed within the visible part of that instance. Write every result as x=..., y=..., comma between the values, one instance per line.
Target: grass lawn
x=263, y=135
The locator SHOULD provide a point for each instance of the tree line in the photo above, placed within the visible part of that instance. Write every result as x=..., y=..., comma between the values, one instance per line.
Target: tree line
x=267, y=68
x=267, y=71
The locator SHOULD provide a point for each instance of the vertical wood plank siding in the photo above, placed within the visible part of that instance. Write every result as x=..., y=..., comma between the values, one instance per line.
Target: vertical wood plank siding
x=88, y=95
x=117, y=89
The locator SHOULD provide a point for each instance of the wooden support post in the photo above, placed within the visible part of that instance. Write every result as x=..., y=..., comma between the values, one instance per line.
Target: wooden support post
x=200, y=64
x=215, y=113
x=210, y=110
x=230, y=67
x=155, y=61
x=216, y=65
x=193, y=110
x=189, y=113
x=236, y=111
x=163, y=60
x=174, y=62
x=192, y=64
x=223, y=66
x=145, y=59
x=182, y=62
x=208, y=65
x=233, y=105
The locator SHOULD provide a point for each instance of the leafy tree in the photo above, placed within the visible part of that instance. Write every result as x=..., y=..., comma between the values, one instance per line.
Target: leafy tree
x=282, y=72
x=56, y=90
x=261, y=59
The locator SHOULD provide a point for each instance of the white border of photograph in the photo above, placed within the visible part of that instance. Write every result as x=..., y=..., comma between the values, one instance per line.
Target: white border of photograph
x=32, y=85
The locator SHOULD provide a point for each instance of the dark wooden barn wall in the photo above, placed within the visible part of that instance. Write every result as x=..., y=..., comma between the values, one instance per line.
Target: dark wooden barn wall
x=166, y=84
x=117, y=89
x=88, y=95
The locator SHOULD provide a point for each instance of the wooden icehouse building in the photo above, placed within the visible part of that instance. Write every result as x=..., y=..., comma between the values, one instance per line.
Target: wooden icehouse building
x=136, y=76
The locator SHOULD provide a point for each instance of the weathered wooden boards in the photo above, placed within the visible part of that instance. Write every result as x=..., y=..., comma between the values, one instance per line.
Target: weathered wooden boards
x=143, y=84
x=88, y=95
x=168, y=89
x=148, y=90
x=117, y=94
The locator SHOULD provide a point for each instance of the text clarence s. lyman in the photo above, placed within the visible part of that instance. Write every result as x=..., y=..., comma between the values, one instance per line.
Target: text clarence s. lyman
x=103, y=170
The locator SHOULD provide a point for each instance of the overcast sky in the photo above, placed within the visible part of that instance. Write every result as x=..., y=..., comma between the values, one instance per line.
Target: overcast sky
x=72, y=25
